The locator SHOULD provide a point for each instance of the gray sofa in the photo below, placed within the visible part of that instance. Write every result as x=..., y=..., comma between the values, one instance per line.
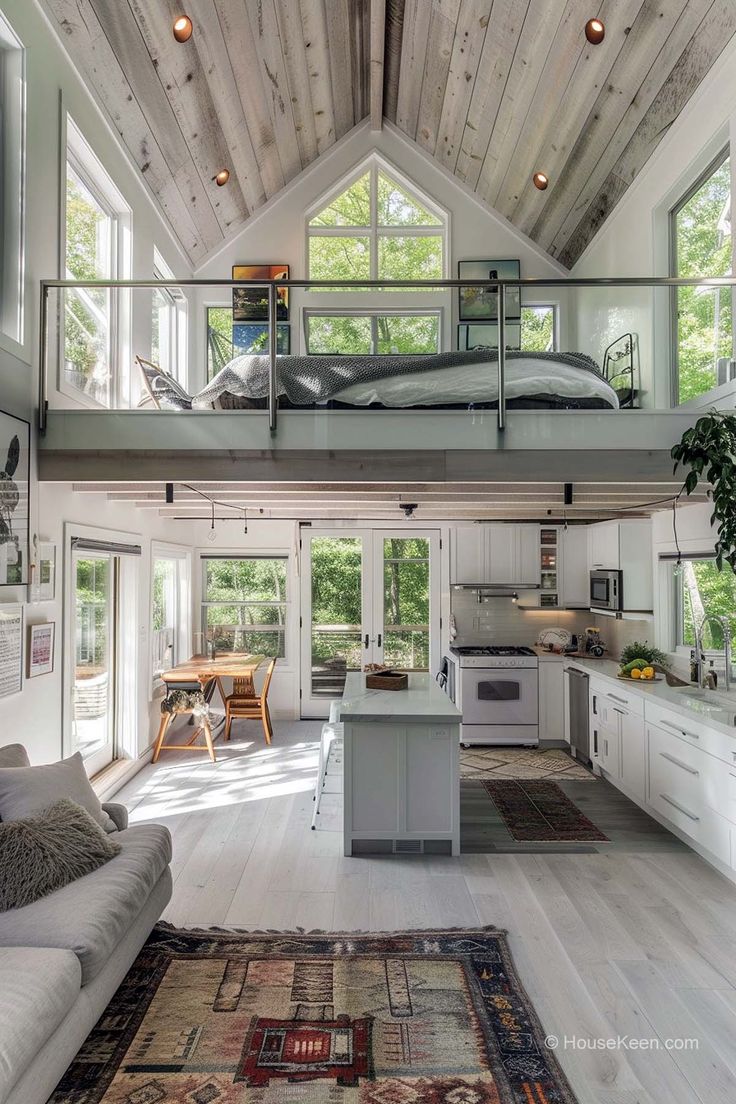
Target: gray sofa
x=63, y=957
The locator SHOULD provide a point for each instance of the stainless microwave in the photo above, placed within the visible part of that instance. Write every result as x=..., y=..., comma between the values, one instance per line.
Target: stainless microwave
x=606, y=590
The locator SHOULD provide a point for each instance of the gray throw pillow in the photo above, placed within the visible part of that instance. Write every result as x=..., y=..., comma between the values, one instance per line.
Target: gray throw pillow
x=42, y=853
x=28, y=790
x=14, y=755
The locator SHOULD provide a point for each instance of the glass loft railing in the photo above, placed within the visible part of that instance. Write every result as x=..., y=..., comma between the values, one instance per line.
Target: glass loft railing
x=636, y=343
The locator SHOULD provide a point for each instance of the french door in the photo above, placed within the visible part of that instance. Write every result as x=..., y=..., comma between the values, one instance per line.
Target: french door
x=367, y=596
x=95, y=597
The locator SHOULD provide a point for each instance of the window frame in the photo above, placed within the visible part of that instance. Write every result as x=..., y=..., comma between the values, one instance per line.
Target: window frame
x=701, y=179
x=285, y=603
x=176, y=306
x=13, y=118
x=374, y=313
x=182, y=556
x=555, y=308
x=375, y=165
x=77, y=152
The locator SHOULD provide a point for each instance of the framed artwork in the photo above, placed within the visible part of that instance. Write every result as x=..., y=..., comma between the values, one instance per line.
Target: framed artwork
x=11, y=650
x=252, y=337
x=480, y=304
x=41, y=649
x=485, y=336
x=43, y=585
x=15, y=453
x=251, y=304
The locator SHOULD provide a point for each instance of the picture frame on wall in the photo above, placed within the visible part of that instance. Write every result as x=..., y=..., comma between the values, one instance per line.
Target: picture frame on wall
x=251, y=304
x=484, y=335
x=252, y=337
x=43, y=584
x=11, y=650
x=41, y=641
x=15, y=458
x=480, y=304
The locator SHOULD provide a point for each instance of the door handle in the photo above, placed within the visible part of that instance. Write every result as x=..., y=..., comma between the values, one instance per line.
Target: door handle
x=378, y=642
x=366, y=640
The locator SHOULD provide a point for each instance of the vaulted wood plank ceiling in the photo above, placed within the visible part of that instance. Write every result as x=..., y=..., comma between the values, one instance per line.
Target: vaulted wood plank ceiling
x=493, y=89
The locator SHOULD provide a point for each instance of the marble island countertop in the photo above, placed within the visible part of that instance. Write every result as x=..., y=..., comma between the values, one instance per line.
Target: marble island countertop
x=423, y=702
x=711, y=707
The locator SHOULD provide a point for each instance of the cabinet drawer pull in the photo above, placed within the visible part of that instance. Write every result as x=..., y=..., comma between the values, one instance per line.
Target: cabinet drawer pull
x=614, y=697
x=679, y=763
x=680, y=808
x=682, y=731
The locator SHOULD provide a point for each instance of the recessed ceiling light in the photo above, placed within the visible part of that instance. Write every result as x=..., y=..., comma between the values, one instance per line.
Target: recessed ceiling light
x=595, y=31
x=183, y=28
x=222, y=177
x=541, y=180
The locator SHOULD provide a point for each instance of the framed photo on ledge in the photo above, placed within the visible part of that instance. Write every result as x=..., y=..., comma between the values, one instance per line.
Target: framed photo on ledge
x=252, y=337
x=480, y=304
x=484, y=335
x=15, y=453
x=41, y=649
x=251, y=304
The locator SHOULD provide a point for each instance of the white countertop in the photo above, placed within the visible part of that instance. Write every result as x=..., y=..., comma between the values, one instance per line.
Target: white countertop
x=710, y=708
x=423, y=702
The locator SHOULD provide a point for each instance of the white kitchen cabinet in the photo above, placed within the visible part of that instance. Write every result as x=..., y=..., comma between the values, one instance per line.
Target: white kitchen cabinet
x=625, y=546
x=604, y=545
x=575, y=587
x=551, y=700
x=495, y=554
x=633, y=751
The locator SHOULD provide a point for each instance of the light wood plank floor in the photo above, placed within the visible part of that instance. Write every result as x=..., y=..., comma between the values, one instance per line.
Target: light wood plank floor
x=624, y=943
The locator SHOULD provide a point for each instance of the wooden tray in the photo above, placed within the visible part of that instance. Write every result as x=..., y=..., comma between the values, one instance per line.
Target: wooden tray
x=387, y=680
x=644, y=682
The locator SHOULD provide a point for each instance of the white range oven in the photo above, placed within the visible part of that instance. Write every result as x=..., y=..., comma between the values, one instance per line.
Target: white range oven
x=497, y=692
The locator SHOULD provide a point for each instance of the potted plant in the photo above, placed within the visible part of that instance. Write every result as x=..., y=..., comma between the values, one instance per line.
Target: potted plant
x=641, y=660
x=708, y=449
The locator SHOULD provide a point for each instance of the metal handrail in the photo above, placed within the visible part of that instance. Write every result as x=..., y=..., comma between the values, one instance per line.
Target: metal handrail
x=336, y=285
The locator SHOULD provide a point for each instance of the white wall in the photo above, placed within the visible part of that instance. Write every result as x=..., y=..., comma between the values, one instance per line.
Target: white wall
x=34, y=715
x=634, y=239
x=276, y=233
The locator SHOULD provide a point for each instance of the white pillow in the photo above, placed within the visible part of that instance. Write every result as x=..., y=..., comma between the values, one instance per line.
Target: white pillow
x=25, y=791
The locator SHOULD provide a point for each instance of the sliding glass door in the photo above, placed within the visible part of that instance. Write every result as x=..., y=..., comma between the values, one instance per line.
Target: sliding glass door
x=94, y=582
x=368, y=596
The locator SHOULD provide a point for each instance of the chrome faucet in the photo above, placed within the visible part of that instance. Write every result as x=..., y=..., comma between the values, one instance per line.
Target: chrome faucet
x=725, y=624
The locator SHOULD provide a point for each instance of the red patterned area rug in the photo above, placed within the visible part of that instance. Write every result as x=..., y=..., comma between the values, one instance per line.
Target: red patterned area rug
x=539, y=812
x=216, y=1017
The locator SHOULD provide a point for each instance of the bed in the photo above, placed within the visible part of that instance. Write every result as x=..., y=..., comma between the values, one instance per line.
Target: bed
x=539, y=380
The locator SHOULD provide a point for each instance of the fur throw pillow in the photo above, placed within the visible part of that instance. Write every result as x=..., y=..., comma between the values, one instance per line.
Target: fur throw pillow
x=42, y=853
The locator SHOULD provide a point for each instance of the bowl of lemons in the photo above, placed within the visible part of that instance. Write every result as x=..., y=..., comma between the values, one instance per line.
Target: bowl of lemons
x=638, y=669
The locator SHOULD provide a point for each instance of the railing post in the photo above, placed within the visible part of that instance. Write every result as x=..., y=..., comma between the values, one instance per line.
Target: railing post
x=43, y=359
x=273, y=400
x=501, y=357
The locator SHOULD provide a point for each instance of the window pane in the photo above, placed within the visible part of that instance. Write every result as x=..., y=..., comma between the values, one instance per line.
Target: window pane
x=406, y=603
x=408, y=333
x=705, y=589
x=164, y=616
x=351, y=208
x=89, y=245
x=336, y=612
x=247, y=628
x=410, y=258
x=219, y=339
x=93, y=632
x=339, y=334
x=339, y=258
x=704, y=316
x=245, y=580
x=397, y=208
x=537, y=329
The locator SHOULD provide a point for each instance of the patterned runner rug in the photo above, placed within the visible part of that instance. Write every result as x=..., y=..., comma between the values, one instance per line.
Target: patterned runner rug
x=480, y=762
x=540, y=811
x=215, y=1017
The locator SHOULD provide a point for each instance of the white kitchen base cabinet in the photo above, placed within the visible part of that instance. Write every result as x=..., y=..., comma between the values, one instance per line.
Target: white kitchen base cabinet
x=401, y=770
x=551, y=700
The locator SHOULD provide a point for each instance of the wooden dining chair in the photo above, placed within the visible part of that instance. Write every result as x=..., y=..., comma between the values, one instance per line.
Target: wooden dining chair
x=242, y=704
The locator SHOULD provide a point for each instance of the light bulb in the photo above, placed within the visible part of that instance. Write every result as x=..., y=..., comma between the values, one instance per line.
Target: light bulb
x=183, y=28
x=595, y=31
x=212, y=535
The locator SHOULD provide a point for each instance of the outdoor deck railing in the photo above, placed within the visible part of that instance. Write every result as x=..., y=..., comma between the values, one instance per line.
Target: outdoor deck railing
x=273, y=286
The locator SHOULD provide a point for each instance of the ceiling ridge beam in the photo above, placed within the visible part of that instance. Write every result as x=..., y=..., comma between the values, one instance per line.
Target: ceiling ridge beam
x=377, y=61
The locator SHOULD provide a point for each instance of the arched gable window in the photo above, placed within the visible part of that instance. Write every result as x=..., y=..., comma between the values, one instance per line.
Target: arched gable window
x=376, y=225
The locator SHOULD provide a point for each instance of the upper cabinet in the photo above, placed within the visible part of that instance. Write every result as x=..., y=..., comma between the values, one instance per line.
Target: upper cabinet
x=604, y=545
x=625, y=546
x=575, y=590
x=495, y=554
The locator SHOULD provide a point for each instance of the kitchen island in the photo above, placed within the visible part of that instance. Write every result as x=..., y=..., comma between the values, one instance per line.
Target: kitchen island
x=401, y=767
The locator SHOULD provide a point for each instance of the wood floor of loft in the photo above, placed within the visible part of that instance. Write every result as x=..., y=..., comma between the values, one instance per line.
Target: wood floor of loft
x=638, y=939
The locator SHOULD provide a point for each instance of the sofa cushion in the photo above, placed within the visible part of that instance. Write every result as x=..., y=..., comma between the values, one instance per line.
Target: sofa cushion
x=38, y=988
x=14, y=755
x=28, y=790
x=44, y=852
x=91, y=915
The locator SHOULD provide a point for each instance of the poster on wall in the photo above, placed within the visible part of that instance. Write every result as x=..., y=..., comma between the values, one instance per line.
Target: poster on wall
x=11, y=650
x=252, y=337
x=480, y=304
x=43, y=585
x=15, y=452
x=251, y=304
x=41, y=649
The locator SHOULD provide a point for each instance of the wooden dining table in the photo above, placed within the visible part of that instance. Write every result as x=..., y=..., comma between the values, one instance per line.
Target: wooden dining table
x=206, y=673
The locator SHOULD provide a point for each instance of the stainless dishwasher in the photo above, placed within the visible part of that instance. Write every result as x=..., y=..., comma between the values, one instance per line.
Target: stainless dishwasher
x=578, y=683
